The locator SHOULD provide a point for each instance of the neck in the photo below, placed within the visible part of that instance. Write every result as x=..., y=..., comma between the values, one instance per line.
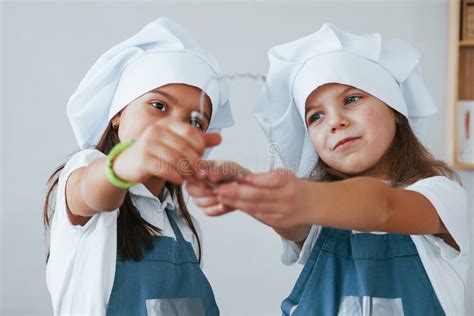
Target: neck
x=155, y=186
x=378, y=171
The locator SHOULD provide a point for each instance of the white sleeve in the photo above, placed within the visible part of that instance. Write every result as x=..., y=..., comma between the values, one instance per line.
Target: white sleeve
x=292, y=253
x=77, y=161
x=450, y=200
x=77, y=250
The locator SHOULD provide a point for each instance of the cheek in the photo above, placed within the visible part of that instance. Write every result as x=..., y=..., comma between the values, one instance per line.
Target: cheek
x=317, y=139
x=380, y=130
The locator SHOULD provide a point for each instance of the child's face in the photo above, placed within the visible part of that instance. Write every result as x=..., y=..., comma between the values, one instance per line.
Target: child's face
x=335, y=112
x=175, y=101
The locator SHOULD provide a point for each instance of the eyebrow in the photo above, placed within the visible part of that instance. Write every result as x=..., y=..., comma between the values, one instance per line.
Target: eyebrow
x=166, y=95
x=205, y=115
x=174, y=100
x=342, y=92
x=347, y=89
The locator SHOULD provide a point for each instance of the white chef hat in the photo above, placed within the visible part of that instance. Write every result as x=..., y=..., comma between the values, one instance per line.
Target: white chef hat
x=163, y=52
x=387, y=69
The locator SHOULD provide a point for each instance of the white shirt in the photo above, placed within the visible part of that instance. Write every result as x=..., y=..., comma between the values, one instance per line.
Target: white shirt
x=81, y=267
x=447, y=268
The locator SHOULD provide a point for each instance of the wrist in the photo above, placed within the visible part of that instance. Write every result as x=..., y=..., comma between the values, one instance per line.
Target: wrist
x=117, y=179
x=306, y=202
x=297, y=234
x=121, y=166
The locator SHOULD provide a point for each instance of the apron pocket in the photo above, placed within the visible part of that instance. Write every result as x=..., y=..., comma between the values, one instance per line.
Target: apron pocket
x=370, y=306
x=175, y=306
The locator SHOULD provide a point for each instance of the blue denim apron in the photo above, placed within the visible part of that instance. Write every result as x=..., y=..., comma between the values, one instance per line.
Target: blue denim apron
x=167, y=281
x=362, y=274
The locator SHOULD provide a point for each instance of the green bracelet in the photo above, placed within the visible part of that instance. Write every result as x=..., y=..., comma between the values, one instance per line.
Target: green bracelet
x=109, y=171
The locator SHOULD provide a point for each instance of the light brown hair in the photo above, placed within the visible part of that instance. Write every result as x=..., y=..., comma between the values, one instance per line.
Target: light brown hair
x=408, y=160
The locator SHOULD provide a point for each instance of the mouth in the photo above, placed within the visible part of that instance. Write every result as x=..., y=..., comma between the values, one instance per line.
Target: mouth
x=346, y=142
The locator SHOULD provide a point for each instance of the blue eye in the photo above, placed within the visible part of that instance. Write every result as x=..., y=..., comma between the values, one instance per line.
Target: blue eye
x=196, y=123
x=351, y=99
x=315, y=117
x=158, y=105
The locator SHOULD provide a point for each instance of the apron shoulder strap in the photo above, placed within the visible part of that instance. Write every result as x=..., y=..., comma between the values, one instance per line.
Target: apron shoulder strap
x=171, y=214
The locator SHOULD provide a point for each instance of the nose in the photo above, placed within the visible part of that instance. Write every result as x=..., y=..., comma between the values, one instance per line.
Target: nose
x=338, y=120
x=179, y=115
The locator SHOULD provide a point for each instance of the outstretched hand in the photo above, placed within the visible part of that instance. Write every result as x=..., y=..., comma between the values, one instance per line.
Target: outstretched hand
x=276, y=198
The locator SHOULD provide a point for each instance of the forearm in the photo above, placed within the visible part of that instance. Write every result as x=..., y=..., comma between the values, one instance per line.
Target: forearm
x=97, y=191
x=297, y=234
x=359, y=203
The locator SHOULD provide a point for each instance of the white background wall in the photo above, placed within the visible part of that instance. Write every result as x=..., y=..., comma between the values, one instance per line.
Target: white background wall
x=48, y=47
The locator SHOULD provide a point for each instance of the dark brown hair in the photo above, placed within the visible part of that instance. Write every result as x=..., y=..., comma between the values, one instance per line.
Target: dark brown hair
x=408, y=160
x=134, y=234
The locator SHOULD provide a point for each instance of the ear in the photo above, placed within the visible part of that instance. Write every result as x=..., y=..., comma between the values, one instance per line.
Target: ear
x=116, y=121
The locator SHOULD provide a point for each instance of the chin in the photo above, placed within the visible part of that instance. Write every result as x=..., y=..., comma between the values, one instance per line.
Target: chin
x=353, y=169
